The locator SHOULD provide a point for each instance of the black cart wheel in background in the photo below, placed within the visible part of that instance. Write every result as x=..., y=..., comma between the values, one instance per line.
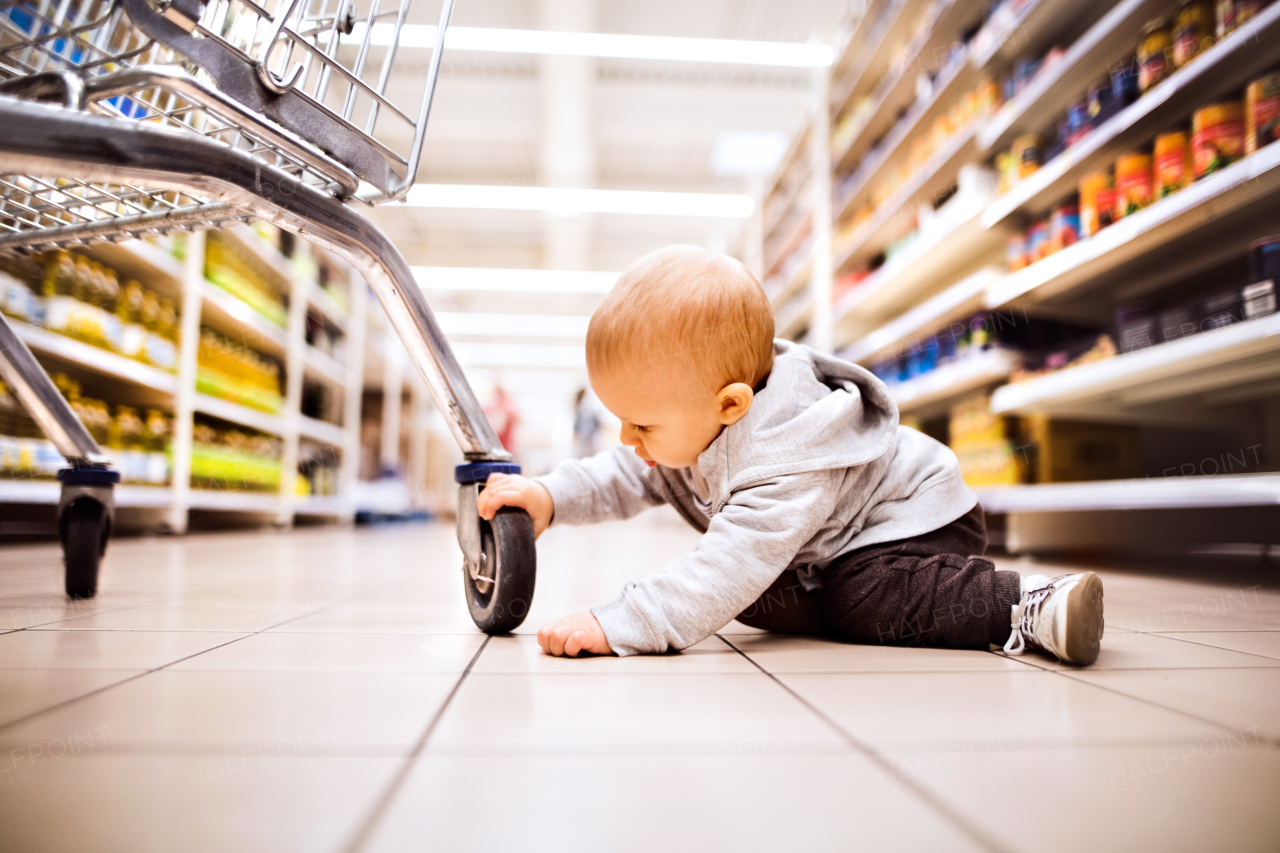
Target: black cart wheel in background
x=86, y=514
x=499, y=557
x=84, y=528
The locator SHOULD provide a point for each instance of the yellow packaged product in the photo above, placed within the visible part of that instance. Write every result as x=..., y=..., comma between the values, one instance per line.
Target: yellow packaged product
x=1261, y=113
x=1193, y=27
x=1172, y=163
x=1217, y=137
x=1133, y=184
x=1155, y=54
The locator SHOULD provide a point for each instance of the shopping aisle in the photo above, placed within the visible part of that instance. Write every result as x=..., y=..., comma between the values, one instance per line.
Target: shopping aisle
x=324, y=690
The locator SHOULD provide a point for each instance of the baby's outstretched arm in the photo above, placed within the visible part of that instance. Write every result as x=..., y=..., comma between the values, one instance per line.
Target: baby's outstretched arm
x=513, y=490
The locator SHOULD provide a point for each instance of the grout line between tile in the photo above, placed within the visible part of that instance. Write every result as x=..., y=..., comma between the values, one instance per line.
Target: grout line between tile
x=957, y=820
x=365, y=830
x=114, y=684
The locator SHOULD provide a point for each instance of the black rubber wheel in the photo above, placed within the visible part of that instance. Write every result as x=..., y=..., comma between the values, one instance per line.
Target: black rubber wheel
x=511, y=560
x=84, y=540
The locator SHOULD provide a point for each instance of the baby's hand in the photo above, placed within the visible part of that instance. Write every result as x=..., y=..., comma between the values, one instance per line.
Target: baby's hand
x=572, y=634
x=513, y=490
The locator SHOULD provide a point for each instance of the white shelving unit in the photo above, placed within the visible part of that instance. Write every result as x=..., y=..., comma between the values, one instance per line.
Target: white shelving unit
x=953, y=266
x=203, y=303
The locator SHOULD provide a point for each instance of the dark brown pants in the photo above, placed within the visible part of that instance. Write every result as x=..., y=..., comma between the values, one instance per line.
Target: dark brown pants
x=930, y=590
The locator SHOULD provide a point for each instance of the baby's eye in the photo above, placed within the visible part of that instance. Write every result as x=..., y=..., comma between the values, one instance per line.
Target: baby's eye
x=640, y=428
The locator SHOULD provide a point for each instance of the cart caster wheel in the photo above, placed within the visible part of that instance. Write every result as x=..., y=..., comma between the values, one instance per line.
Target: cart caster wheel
x=500, y=589
x=84, y=541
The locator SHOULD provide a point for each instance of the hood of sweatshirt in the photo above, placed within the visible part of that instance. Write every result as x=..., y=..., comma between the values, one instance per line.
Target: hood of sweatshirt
x=815, y=412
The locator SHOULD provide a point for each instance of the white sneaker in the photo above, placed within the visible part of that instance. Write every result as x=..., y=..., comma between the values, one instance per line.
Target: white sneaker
x=1063, y=617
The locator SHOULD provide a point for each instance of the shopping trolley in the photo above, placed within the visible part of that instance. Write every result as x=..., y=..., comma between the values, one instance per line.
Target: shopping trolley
x=135, y=118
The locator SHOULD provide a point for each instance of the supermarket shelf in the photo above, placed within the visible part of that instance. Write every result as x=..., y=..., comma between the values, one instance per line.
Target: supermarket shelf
x=1220, y=71
x=891, y=29
x=1204, y=363
x=1223, y=490
x=953, y=380
x=238, y=320
x=235, y=501
x=48, y=492
x=892, y=218
x=958, y=301
x=93, y=358
x=1036, y=110
x=276, y=264
x=144, y=261
x=794, y=316
x=238, y=414
x=325, y=367
x=858, y=36
x=894, y=147
x=1036, y=27
x=794, y=239
x=321, y=431
x=794, y=284
x=1220, y=202
x=897, y=90
x=796, y=192
x=328, y=307
x=915, y=272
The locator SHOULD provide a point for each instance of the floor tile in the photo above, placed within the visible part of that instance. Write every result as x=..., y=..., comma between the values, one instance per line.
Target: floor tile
x=1240, y=699
x=722, y=801
x=324, y=652
x=108, y=649
x=1266, y=643
x=231, y=619
x=940, y=709
x=522, y=654
x=597, y=710
x=1212, y=793
x=200, y=802
x=27, y=691
x=383, y=712
x=781, y=653
x=365, y=618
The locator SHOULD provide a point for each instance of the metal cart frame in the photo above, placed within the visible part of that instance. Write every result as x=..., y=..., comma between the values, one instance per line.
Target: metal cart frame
x=262, y=130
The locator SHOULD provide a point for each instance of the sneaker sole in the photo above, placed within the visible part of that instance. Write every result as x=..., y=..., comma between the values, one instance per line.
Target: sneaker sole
x=1084, y=620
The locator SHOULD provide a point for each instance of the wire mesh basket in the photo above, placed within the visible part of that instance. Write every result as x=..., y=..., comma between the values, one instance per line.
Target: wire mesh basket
x=301, y=85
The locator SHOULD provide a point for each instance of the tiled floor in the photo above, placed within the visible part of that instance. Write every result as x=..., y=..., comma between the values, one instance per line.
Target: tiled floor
x=324, y=690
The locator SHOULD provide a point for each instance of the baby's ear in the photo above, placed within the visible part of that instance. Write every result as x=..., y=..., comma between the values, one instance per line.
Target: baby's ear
x=734, y=401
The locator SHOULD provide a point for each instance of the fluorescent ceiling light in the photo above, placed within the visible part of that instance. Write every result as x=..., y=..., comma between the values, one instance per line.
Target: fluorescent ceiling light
x=520, y=355
x=513, y=280
x=606, y=45
x=513, y=325
x=737, y=153
x=563, y=201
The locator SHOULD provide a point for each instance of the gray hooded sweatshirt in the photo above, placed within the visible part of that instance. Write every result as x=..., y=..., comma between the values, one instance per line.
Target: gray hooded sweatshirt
x=817, y=467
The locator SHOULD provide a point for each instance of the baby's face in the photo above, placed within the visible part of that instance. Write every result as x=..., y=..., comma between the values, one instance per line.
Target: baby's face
x=663, y=418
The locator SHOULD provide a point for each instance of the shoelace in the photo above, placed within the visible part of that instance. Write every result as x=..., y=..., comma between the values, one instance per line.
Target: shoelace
x=1026, y=618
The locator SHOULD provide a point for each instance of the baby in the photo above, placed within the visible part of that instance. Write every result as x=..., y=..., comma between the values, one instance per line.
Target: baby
x=819, y=513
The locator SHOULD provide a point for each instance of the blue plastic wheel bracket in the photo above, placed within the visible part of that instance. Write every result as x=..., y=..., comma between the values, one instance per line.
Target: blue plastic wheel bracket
x=478, y=472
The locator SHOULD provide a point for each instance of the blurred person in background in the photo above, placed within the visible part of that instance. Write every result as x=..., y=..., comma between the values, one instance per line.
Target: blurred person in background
x=586, y=426
x=505, y=417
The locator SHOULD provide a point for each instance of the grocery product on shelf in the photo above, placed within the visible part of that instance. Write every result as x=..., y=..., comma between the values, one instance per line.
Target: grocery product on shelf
x=138, y=449
x=234, y=372
x=75, y=296
x=234, y=459
x=226, y=266
x=1193, y=30
x=1155, y=53
x=1141, y=327
x=1217, y=137
x=1173, y=166
x=1261, y=113
x=1097, y=203
x=1133, y=184
x=1232, y=14
x=986, y=444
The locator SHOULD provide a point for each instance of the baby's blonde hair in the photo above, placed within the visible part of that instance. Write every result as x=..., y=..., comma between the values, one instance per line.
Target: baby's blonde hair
x=687, y=310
